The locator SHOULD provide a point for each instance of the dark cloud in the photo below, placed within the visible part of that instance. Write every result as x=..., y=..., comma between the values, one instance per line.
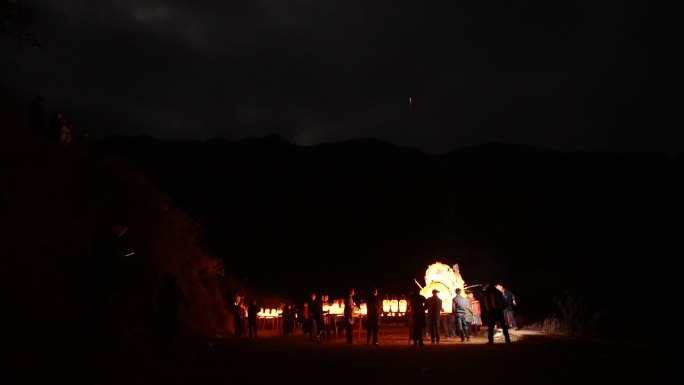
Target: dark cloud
x=576, y=75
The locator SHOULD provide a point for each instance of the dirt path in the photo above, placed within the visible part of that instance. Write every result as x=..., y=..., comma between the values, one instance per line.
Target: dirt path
x=531, y=359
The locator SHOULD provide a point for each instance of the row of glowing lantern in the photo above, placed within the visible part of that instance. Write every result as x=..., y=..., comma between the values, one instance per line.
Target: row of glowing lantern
x=393, y=305
x=388, y=306
x=399, y=306
x=269, y=313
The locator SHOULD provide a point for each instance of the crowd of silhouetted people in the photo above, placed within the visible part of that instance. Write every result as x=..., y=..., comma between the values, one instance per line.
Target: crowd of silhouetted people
x=425, y=317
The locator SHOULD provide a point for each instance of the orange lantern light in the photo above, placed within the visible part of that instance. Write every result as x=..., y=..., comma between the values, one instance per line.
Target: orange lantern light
x=386, y=305
x=447, y=303
x=403, y=304
x=394, y=305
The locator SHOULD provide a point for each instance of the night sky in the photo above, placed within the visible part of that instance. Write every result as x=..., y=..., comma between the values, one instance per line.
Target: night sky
x=571, y=75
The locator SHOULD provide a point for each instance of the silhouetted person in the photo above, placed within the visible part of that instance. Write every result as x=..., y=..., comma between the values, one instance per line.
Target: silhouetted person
x=325, y=316
x=349, y=308
x=434, y=308
x=496, y=304
x=315, y=309
x=460, y=306
x=374, y=307
x=66, y=132
x=235, y=309
x=306, y=319
x=169, y=299
x=55, y=126
x=37, y=116
x=288, y=318
x=103, y=274
x=476, y=313
x=316, y=318
x=509, y=312
x=417, y=305
x=252, y=311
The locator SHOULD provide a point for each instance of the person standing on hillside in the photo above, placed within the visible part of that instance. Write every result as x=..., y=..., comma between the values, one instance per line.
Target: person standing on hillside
x=434, y=308
x=66, y=132
x=374, y=306
x=496, y=304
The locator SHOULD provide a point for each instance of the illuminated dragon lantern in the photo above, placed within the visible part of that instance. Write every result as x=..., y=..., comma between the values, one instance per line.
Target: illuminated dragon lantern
x=445, y=279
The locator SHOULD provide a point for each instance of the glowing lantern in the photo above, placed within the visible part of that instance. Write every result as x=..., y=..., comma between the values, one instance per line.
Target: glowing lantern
x=442, y=277
x=364, y=309
x=402, y=305
x=394, y=305
x=386, y=305
x=335, y=308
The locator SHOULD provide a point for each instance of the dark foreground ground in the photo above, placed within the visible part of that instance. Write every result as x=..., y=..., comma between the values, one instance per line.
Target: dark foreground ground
x=531, y=359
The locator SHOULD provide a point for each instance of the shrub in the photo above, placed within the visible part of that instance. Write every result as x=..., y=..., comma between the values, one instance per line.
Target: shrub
x=53, y=202
x=572, y=318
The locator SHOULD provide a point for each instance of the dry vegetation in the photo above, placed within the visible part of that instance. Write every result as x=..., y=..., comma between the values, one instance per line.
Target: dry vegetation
x=572, y=317
x=54, y=202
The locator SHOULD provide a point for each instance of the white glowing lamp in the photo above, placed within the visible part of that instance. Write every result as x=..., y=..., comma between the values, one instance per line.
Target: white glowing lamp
x=394, y=305
x=326, y=308
x=386, y=305
x=364, y=309
x=260, y=314
x=335, y=309
x=403, y=304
